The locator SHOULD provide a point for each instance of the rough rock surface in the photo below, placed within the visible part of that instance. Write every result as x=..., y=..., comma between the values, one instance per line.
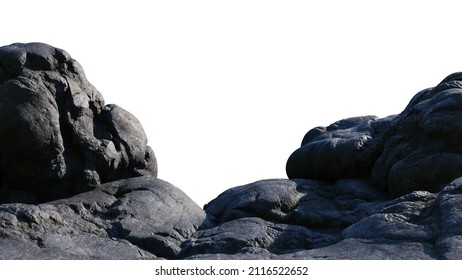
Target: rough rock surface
x=58, y=137
x=135, y=218
x=147, y=218
x=78, y=181
x=422, y=149
x=351, y=219
x=416, y=150
x=345, y=149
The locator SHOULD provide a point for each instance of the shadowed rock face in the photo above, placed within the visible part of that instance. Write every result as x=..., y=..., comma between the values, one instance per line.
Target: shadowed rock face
x=58, y=137
x=418, y=149
x=422, y=147
x=345, y=149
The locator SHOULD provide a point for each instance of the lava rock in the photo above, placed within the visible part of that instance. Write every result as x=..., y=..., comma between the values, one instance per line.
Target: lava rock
x=361, y=188
x=347, y=220
x=299, y=202
x=58, y=136
x=147, y=218
x=345, y=149
x=154, y=215
x=136, y=218
x=421, y=146
x=416, y=150
x=250, y=235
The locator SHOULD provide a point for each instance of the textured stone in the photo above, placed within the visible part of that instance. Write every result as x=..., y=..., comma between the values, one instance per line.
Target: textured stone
x=421, y=146
x=246, y=235
x=345, y=149
x=136, y=218
x=416, y=150
x=361, y=188
x=351, y=219
x=154, y=215
x=58, y=136
x=299, y=202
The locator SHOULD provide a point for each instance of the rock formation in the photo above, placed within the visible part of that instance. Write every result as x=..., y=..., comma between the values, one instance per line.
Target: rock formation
x=58, y=137
x=416, y=150
x=78, y=181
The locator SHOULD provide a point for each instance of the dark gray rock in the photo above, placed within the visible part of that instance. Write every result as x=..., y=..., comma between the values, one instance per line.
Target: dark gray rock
x=147, y=218
x=346, y=249
x=70, y=247
x=154, y=215
x=136, y=218
x=366, y=249
x=421, y=146
x=350, y=219
x=299, y=202
x=247, y=235
x=345, y=149
x=361, y=188
x=416, y=150
x=267, y=199
x=58, y=137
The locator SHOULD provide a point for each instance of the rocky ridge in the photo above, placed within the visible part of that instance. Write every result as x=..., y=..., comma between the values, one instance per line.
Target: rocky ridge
x=78, y=181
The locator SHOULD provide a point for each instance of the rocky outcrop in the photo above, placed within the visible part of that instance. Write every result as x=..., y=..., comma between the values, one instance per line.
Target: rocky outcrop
x=416, y=150
x=58, y=136
x=78, y=181
x=422, y=149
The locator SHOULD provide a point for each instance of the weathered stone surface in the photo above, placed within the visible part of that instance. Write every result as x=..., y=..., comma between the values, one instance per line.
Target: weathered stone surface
x=361, y=188
x=146, y=218
x=350, y=219
x=421, y=146
x=345, y=149
x=299, y=202
x=154, y=215
x=416, y=150
x=246, y=235
x=58, y=137
x=136, y=218
x=347, y=249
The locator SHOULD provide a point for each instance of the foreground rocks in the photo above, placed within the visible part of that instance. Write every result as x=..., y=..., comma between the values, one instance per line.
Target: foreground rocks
x=78, y=181
x=351, y=219
x=137, y=218
x=147, y=218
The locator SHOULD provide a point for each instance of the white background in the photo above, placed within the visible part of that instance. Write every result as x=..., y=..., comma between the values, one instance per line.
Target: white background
x=317, y=270
x=226, y=90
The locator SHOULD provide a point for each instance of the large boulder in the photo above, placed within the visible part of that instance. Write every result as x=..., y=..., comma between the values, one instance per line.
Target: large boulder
x=345, y=149
x=416, y=150
x=422, y=149
x=58, y=136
